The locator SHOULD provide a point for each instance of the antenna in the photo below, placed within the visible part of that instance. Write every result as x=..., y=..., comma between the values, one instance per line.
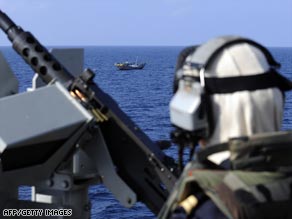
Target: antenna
x=136, y=60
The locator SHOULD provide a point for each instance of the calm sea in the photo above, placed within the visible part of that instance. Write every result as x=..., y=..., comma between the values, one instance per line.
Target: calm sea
x=144, y=95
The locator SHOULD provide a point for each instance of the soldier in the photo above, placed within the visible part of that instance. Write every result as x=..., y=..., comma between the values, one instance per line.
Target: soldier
x=229, y=99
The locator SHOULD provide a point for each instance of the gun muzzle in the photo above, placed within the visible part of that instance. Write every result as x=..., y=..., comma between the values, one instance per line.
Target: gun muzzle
x=5, y=22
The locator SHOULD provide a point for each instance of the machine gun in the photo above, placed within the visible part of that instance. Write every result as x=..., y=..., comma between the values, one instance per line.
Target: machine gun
x=68, y=135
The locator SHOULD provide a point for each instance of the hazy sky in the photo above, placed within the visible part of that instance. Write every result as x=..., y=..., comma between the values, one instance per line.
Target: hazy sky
x=150, y=22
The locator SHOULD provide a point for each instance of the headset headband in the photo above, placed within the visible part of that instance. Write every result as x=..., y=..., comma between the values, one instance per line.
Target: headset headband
x=205, y=53
x=202, y=57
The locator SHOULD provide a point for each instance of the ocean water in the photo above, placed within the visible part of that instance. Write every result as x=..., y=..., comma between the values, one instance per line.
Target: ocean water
x=144, y=95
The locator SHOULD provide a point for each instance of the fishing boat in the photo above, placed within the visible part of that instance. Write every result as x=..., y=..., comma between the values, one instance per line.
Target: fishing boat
x=130, y=65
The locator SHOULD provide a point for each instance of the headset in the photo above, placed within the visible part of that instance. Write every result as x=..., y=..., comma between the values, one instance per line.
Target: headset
x=191, y=108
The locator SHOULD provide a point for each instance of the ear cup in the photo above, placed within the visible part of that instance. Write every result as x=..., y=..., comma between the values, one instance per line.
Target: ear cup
x=205, y=108
x=179, y=63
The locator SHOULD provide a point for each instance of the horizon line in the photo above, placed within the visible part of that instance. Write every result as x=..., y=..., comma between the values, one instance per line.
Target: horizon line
x=131, y=46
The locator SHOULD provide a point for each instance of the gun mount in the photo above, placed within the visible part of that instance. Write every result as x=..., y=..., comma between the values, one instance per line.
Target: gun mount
x=69, y=135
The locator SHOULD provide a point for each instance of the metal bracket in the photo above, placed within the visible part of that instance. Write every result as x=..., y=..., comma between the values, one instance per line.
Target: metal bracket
x=97, y=150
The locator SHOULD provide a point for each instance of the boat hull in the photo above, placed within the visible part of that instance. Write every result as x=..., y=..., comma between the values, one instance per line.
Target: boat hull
x=130, y=67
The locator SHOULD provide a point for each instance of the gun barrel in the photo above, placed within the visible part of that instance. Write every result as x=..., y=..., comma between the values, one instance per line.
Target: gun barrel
x=33, y=53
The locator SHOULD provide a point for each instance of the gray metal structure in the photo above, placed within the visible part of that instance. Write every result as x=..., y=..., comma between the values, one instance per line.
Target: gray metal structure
x=8, y=81
x=68, y=135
